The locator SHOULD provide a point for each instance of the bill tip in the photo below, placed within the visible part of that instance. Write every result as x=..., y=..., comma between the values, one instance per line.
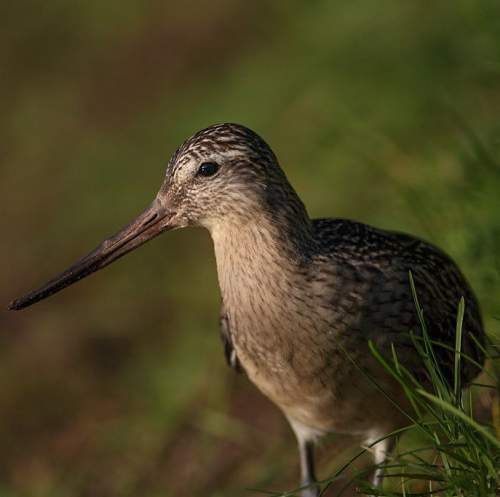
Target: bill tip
x=14, y=305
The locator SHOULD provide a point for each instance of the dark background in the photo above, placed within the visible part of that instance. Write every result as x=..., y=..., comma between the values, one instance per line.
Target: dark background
x=385, y=112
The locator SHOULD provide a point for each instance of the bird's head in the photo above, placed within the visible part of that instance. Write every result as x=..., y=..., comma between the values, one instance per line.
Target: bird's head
x=223, y=173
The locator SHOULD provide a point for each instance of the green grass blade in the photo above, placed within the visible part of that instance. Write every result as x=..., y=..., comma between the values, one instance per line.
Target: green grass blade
x=457, y=384
x=462, y=416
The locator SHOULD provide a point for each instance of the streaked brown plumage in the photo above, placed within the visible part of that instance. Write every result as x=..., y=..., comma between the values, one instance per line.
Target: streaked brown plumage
x=299, y=293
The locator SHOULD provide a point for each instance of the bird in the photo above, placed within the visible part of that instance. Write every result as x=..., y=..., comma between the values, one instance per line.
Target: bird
x=302, y=298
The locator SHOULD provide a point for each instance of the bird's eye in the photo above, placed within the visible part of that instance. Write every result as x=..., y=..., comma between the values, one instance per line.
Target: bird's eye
x=208, y=169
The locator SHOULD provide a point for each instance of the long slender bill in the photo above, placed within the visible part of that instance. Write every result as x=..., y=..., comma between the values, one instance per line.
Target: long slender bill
x=153, y=221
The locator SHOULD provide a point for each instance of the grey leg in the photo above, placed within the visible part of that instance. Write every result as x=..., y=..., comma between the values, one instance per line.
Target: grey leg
x=308, y=477
x=380, y=453
x=306, y=437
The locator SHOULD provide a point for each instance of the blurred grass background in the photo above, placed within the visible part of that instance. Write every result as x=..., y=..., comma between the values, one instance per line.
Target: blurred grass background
x=384, y=112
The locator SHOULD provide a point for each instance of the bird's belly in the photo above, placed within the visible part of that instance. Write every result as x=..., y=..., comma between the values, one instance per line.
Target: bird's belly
x=338, y=398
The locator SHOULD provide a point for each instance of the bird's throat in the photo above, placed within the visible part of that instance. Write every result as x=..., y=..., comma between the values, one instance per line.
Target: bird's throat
x=256, y=263
x=264, y=288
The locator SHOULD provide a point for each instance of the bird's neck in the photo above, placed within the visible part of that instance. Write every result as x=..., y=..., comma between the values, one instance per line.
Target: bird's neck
x=260, y=257
x=264, y=267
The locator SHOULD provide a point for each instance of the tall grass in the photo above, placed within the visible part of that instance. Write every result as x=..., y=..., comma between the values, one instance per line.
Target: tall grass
x=458, y=457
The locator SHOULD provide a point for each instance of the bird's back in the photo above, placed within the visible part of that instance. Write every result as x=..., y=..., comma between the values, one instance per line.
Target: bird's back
x=370, y=288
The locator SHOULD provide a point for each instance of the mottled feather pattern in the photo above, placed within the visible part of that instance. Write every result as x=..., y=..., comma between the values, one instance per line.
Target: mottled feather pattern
x=388, y=312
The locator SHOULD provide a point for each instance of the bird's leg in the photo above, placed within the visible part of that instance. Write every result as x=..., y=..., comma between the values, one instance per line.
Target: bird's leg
x=380, y=453
x=305, y=438
x=308, y=477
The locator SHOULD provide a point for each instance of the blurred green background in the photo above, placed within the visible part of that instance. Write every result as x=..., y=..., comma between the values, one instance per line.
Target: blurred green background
x=385, y=112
